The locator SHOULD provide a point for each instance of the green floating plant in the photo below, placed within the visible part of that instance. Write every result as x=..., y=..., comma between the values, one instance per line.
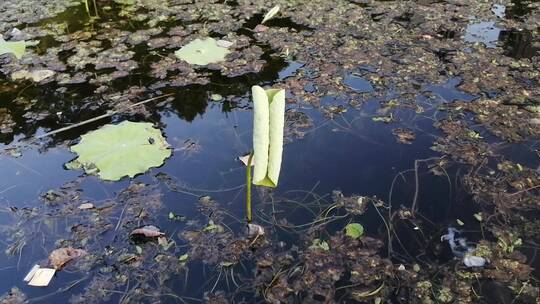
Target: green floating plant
x=17, y=48
x=115, y=151
x=354, y=230
x=202, y=52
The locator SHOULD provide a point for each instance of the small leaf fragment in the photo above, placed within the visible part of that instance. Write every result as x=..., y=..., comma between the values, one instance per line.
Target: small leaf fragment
x=86, y=206
x=473, y=261
x=270, y=14
x=148, y=231
x=255, y=230
x=224, y=43
x=478, y=216
x=216, y=97
x=318, y=244
x=35, y=76
x=227, y=264
x=183, y=258
x=245, y=160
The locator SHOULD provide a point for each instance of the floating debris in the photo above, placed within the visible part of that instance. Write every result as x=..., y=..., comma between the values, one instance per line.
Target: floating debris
x=61, y=256
x=40, y=277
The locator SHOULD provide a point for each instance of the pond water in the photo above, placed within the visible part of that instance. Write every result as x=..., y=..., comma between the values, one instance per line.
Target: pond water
x=378, y=141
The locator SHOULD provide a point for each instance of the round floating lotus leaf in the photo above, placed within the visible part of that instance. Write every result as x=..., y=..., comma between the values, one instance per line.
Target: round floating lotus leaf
x=202, y=52
x=115, y=151
x=16, y=48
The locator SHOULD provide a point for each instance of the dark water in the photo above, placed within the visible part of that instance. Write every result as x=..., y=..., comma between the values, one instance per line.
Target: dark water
x=351, y=153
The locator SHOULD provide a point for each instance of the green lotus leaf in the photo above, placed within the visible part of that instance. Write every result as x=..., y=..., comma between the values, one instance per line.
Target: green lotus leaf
x=16, y=48
x=202, y=52
x=268, y=123
x=354, y=230
x=125, y=149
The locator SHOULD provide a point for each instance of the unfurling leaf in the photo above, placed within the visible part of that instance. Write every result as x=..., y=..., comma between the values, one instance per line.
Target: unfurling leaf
x=268, y=123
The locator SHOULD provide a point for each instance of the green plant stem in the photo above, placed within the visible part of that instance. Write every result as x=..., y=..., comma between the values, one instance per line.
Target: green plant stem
x=96, y=8
x=248, y=191
x=87, y=8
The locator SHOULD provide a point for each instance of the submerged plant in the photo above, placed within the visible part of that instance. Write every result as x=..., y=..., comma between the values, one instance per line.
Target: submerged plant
x=87, y=7
x=268, y=123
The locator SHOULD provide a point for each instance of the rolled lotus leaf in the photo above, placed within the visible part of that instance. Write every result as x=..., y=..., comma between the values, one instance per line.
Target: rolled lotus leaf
x=268, y=123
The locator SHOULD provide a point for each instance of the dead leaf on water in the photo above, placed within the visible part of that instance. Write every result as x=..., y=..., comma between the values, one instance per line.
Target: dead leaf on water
x=404, y=136
x=245, y=160
x=35, y=76
x=61, y=256
x=254, y=230
x=162, y=241
x=148, y=231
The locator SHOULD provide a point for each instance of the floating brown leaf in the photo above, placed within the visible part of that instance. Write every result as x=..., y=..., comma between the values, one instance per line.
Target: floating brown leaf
x=61, y=256
x=148, y=231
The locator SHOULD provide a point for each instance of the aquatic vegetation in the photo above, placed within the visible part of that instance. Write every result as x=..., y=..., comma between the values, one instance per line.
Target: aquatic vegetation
x=354, y=230
x=17, y=48
x=87, y=7
x=268, y=123
x=202, y=52
x=35, y=75
x=471, y=110
x=115, y=151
